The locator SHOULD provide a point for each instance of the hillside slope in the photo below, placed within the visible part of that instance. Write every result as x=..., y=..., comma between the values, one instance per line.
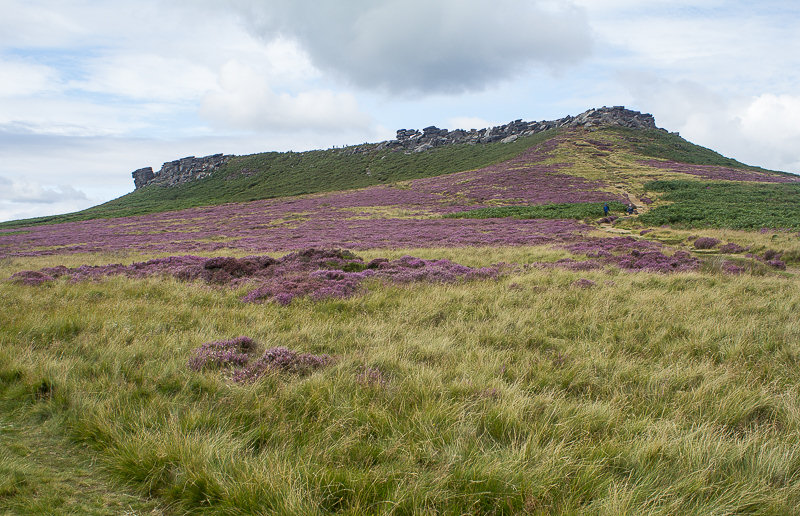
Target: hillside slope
x=485, y=341
x=273, y=174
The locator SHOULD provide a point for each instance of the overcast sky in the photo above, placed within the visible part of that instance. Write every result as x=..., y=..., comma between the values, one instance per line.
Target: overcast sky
x=92, y=90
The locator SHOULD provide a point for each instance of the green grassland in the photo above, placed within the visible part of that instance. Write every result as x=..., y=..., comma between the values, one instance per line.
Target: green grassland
x=575, y=210
x=726, y=204
x=644, y=394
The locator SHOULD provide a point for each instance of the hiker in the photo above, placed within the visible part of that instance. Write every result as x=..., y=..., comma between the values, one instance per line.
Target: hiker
x=605, y=209
x=629, y=209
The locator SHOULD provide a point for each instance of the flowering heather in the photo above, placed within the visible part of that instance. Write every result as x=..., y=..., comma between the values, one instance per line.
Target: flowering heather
x=730, y=267
x=281, y=359
x=384, y=216
x=705, y=243
x=31, y=277
x=316, y=273
x=631, y=254
x=777, y=264
x=732, y=248
x=583, y=283
x=341, y=277
x=716, y=172
x=234, y=352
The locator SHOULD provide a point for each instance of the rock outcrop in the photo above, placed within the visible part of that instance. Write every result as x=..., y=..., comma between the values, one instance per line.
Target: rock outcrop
x=143, y=176
x=413, y=140
x=180, y=171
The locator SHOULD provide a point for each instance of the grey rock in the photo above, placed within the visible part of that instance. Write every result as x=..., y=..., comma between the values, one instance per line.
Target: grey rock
x=180, y=171
x=142, y=176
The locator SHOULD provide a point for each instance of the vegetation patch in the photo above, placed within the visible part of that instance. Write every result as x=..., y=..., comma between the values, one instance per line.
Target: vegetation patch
x=281, y=359
x=313, y=273
x=725, y=205
x=580, y=210
x=630, y=254
x=225, y=353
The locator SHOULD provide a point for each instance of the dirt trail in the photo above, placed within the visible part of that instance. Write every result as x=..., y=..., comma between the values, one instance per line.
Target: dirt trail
x=641, y=207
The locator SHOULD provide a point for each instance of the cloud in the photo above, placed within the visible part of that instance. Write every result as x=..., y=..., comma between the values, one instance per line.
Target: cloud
x=29, y=192
x=146, y=77
x=21, y=78
x=759, y=130
x=245, y=100
x=419, y=46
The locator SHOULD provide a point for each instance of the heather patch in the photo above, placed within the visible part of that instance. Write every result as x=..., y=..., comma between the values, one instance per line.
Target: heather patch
x=730, y=267
x=314, y=273
x=705, y=243
x=717, y=173
x=732, y=248
x=306, y=274
x=31, y=277
x=631, y=254
x=777, y=264
x=248, y=227
x=234, y=352
x=238, y=354
x=281, y=359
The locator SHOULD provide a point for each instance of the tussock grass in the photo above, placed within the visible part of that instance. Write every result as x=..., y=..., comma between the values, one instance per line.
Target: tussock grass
x=644, y=394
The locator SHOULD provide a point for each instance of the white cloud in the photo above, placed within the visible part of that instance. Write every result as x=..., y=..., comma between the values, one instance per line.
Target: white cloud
x=410, y=46
x=759, y=130
x=246, y=101
x=30, y=192
x=150, y=77
x=21, y=78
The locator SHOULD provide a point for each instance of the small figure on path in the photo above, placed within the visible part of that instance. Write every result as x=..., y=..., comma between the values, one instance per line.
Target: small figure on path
x=605, y=209
x=630, y=209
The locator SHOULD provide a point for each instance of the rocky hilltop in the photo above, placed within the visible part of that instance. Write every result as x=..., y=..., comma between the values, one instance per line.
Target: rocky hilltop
x=413, y=140
x=179, y=171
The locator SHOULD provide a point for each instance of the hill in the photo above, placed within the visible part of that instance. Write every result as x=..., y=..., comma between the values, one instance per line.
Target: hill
x=463, y=330
x=218, y=179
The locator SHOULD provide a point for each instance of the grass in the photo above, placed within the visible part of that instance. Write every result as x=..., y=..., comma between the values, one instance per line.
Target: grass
x=725, y=205
x=645, y=394
x=280, y=174
x=658, y=144
x=582, y=210
x=641, y=394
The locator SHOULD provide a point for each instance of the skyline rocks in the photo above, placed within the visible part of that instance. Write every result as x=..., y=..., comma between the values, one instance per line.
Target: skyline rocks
x=415, y=141
x=191, y=168
x=179, y=171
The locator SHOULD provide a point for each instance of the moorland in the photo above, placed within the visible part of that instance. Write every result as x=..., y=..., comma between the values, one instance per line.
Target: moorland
x=460, y=331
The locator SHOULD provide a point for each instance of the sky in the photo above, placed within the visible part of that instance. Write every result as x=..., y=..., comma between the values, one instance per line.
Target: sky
x=92, y=90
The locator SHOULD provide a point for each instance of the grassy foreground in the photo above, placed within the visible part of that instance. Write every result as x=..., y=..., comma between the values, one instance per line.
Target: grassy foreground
x=642, y=394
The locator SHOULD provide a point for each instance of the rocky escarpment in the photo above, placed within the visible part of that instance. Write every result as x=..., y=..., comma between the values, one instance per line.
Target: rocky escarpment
x=413, y=140
x=179, y=171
